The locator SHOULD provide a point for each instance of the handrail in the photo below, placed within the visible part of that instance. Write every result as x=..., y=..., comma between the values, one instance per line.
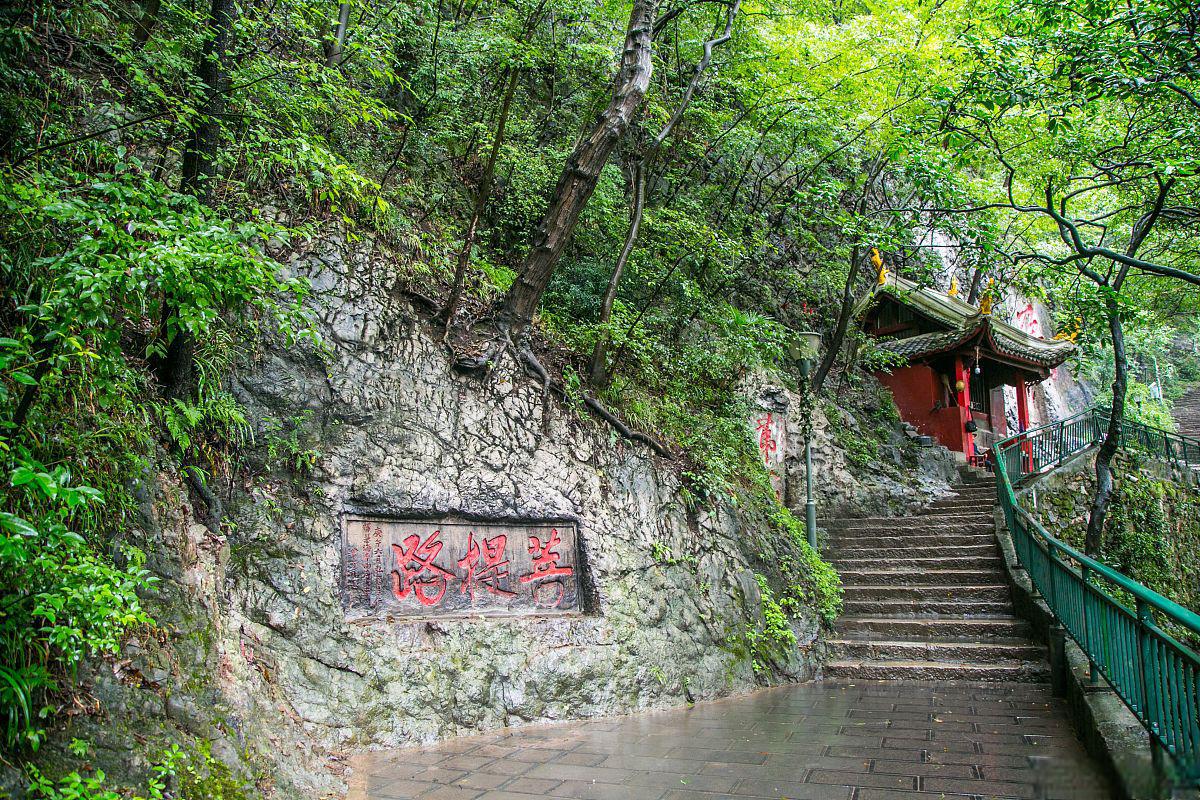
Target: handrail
x=1156, y=675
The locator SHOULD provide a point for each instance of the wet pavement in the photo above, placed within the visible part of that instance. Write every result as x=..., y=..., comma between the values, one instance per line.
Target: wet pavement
x=831, y=740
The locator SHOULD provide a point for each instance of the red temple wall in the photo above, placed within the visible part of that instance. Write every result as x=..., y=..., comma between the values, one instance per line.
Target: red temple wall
x=917, y=389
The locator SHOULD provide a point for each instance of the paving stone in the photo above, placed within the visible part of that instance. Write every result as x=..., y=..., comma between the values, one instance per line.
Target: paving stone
x=503, y=766
x=860, y=779
x=482, y=780
x=402, y=789
x=451, y=793
x=994, y=788
x=709, y=756
x=925, y=768
x=526, y=785
x=895, y=794
x=790, y=790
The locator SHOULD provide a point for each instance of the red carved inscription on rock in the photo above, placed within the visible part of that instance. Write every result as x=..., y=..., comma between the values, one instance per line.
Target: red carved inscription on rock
x=449, y=568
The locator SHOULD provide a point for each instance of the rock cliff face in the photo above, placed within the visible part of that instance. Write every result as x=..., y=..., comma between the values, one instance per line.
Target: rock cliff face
x=379, y=425
x=397, y=434
x=257, y=652
x=863, y=464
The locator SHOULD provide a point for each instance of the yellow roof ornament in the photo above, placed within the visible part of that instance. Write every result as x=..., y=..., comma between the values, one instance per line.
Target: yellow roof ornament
x=1073, y=334
x=877, y=262
x=989, y=297
x=953, y=290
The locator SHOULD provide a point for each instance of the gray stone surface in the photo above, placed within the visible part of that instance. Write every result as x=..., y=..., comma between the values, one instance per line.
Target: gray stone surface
x=832, y=740
x=899, y=476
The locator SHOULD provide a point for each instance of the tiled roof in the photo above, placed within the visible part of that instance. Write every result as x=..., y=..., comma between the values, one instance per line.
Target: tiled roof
x=926, y=343
x=964, y=322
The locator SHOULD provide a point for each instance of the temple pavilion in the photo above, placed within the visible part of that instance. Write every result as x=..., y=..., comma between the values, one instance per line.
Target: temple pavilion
x=958, y=359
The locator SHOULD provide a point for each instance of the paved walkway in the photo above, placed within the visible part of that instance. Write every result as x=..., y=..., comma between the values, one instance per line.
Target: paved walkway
x=833, y=740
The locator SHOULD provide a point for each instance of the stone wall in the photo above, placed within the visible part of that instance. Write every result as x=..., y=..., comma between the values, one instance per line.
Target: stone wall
x=1152, y=530
x=399, y=434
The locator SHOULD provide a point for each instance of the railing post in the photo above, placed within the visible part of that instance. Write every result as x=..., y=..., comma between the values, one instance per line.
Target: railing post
x=1052, y=600
x=1093, y=672
x=1144, y=619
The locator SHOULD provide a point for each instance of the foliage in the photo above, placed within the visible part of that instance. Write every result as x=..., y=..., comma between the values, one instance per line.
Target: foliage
x=1153, y=533
x=177, y=773
x=285, y=444
x=873, y=358
x=812, y=582
x=65, y=601
x=765, y=641
x=104, y=266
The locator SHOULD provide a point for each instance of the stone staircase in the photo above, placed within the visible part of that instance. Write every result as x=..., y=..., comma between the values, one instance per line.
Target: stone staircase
x=1187, y=413
x=926, y=597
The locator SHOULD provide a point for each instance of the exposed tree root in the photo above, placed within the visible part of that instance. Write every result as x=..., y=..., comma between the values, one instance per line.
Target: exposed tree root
x=477, y=347
x=533, y=365
x=476, y=352
x=622, y=428
x=215, y=509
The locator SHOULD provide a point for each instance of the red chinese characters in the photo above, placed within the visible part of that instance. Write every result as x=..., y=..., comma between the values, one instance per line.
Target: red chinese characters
x=448, y=567
x=766, y=437
x=546, y=566
x=486, y=565
x=420, y=555
x=1027, y=320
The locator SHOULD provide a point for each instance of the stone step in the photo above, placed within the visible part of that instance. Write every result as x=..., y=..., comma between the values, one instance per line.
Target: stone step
x=926, y=627
x=988, y=560
x=958, y=593
x=982, y=494
x=913, y=528
x=982, y=522
x=975, y=503
x=863, y=649
x=924, y=607
x=1023, y=671
x=848, y=550
x=913, y=542
x=949, y=515
x=910, y=526
x=921, y=577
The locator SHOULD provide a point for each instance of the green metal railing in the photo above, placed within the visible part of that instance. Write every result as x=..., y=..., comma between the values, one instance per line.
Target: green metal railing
x=1119, y=624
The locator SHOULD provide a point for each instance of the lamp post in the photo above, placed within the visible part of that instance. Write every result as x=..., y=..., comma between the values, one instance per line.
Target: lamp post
x=806, y=354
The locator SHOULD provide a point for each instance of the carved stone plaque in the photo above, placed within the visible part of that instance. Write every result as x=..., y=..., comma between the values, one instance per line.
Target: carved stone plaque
x=415, y=568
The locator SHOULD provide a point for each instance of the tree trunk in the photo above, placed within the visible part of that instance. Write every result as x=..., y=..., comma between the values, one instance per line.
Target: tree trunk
x=146, y=21
x=976, y=285
x=1104, y=476
x=482, y=196
x=175, y=370
x=582, y=171
x=337, y=43
x=1094, y=538
x=598, y=368
x=211, y=70
x=843, y=325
